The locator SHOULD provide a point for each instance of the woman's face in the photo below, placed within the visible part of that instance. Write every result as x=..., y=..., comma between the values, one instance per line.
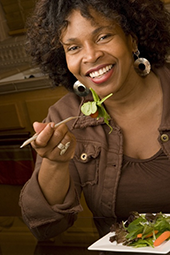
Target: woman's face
x=98, y=53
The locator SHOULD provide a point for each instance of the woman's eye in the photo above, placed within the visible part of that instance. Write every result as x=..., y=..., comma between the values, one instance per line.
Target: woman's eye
x=104, y=37
x=72, y=48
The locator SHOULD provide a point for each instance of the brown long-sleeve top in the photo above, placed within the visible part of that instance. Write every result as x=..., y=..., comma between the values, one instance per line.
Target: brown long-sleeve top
x=113, y=184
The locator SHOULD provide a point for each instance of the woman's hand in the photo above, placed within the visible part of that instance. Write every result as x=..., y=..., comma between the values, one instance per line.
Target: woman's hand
x=49, y=138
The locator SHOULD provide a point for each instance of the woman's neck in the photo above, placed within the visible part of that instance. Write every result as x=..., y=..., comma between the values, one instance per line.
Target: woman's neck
x=137, y=98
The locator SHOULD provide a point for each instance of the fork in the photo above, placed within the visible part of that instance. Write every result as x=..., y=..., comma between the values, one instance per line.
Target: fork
x=56, y=125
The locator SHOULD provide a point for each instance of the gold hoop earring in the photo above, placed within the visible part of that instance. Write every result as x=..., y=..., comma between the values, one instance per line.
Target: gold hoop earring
x=142, y=65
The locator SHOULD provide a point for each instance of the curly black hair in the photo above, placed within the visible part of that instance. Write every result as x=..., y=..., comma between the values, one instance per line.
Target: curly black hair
x=148, y=20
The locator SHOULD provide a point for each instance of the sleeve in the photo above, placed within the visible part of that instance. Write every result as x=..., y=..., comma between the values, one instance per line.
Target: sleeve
x=44, y=220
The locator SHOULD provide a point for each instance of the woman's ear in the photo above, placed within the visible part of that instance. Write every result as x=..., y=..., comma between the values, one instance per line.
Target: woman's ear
x=134, y=42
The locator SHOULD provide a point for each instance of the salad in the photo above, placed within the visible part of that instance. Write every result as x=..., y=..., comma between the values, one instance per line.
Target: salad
x=141, y=230
x=95, y=109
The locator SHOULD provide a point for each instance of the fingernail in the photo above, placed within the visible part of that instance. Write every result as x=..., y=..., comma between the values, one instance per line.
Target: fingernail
x=52, y=125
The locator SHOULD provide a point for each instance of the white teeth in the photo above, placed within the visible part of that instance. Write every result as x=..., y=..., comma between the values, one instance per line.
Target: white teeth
x=100, y=72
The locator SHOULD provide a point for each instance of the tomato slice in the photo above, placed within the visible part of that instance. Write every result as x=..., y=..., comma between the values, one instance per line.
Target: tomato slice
x=94, y=115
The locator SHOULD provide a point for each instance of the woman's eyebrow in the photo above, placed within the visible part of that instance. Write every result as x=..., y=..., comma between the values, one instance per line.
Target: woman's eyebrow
x=99, y=29
x=68, y=41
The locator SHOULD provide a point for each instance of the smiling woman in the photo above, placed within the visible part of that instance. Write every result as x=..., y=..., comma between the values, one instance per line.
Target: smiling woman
x=114, y=50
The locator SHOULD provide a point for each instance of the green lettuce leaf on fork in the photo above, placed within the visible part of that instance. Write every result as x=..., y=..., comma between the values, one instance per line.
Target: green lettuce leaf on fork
x=90, y=108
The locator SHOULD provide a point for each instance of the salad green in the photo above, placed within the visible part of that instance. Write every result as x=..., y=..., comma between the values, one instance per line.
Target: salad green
x=90, y=108
x=140, y=230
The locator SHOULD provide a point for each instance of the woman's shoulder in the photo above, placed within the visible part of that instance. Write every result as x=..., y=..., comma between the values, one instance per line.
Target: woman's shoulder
x=167, y=65
x=163, y=72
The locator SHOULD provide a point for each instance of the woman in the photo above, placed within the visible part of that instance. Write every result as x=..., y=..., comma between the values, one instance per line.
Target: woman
x=108, y=46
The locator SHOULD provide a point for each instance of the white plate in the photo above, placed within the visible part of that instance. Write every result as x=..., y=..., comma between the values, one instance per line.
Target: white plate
x=104, y=244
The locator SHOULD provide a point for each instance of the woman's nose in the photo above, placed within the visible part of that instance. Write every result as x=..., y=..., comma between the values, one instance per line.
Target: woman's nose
x=92, y=53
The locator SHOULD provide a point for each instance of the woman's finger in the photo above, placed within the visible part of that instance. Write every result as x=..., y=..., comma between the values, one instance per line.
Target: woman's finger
x=39, y=126
x=45, y=135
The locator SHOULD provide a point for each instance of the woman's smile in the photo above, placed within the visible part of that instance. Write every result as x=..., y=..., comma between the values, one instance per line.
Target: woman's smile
x=101, y=75
x=100, y=72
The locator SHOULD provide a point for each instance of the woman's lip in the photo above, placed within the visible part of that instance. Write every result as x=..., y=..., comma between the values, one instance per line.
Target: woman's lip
x=104, y=77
